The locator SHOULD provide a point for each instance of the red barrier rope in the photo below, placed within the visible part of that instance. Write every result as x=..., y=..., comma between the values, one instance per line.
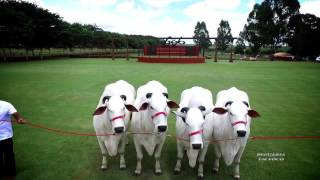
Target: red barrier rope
x=282, y=137
x=66, y=132
x=38, y=126
x=253, y=138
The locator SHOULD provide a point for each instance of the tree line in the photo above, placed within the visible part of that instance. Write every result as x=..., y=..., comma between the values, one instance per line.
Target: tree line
x=272, y=24
x=25, y=25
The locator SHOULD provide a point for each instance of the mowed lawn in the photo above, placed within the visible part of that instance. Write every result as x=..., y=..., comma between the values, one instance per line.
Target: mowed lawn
x=63, y=94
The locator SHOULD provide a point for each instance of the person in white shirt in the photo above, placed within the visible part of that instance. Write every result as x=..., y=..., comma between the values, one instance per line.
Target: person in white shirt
x=7, y=160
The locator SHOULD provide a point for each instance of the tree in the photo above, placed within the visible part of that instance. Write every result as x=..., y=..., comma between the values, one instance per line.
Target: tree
x=260, y=28
x=267, y=23
x=47, y=28
x=14, y=25
x=240, y=46
x=201, y=35
x=304, y=35
x=28, y=25
x=283, y=10
x=25, y=25
x=224, y=36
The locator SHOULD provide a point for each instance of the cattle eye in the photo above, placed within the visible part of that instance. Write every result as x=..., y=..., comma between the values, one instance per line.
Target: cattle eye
x=124, y=97
x=148, y=95
x=184, y=110
x=166, y=95
x=231, y=114
x=246, y=103
x=202, y=108
x=105, y=98
x=228, y=103
x=204, y=117
x=151, y=107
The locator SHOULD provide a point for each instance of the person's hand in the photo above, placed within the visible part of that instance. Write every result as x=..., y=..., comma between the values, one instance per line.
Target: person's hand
x=19, y=118
x=21, y=121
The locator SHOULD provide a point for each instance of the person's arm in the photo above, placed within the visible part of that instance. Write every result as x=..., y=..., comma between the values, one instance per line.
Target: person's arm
x=19, y=119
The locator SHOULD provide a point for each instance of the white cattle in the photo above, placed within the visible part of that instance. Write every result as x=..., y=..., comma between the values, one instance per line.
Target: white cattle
x=149, y=125
x=231, y=122
x=194, y=127
x=112, y=117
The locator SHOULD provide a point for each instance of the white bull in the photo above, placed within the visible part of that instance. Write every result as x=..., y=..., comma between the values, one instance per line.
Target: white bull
x=231, y=121
x=149, y=125
x=194, y=127
x=111, y=117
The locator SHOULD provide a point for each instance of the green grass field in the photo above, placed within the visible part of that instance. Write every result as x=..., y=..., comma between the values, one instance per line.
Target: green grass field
x=63, y=94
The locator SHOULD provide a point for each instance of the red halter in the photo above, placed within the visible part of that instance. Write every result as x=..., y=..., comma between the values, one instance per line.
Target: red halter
x=239, y=122
x=117, y=117
x=158, y=114
x=195, y=132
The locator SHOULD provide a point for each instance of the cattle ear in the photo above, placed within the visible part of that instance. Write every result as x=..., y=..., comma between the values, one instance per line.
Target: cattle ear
x=144, y=106
x=172, y=104
x=131, y=108
x=219, y=110
x=252, y=113
x=99, y=110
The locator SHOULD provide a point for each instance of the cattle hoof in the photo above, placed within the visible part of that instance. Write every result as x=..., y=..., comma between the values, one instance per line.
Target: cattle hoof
x=236, y=178
x=122, y=167
x=158, y=173
x=103, y=168
x=200, y=178
x=214, y=171
x=176, y=172
x=136, y=173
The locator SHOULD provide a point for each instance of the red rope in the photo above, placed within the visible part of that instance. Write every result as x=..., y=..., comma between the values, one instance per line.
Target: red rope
x=282, y=137
x=239, y=122
x=253, y=138
x=118, y=117
x=66, y=132
x=195, y=132
x=158, y=114
x=38, y=126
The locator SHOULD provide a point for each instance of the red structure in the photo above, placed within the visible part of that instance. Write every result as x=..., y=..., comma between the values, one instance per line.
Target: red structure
x=171, y=52
x=158, y=59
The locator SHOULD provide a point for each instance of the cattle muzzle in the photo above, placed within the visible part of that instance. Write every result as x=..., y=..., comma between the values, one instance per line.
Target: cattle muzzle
x=162, y=128
x=196, y=146
x=241, y=133
x=119, y=130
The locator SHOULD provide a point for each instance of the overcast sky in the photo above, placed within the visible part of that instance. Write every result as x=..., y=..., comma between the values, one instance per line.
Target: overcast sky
x=160, y=18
